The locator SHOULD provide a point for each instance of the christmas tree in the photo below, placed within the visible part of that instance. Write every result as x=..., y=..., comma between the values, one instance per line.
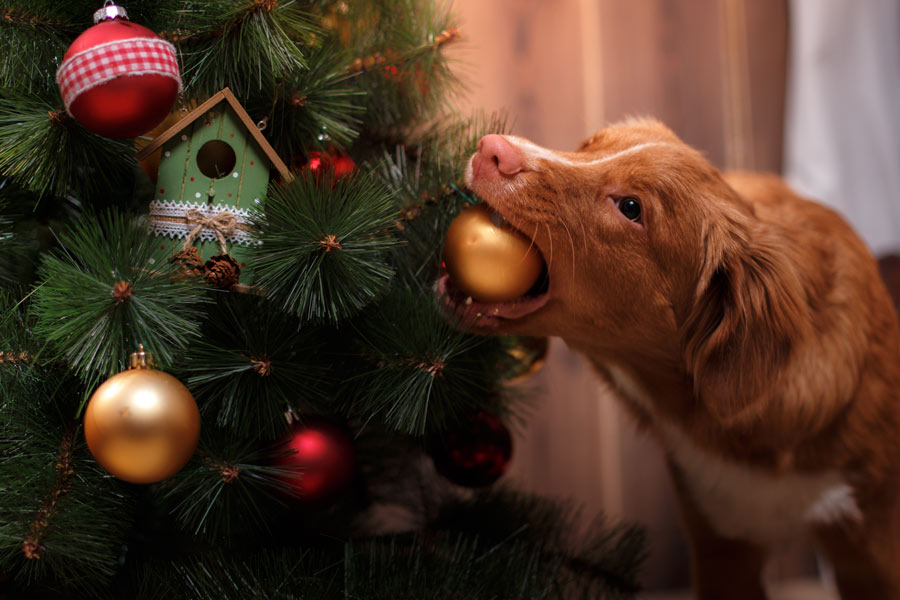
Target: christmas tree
x=253, y=217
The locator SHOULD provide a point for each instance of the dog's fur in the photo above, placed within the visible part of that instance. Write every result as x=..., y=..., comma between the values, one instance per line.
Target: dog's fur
x=746, y=328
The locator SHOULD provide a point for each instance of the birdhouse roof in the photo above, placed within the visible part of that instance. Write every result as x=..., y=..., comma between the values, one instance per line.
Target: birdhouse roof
x=226, y=95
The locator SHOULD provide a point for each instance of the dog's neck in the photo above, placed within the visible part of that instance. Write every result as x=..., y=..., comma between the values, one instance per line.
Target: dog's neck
x=652, y=384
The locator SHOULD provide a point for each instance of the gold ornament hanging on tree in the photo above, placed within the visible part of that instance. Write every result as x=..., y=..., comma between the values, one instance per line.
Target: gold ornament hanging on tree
x=530, y=354
x=489, y=260
x=142, y=425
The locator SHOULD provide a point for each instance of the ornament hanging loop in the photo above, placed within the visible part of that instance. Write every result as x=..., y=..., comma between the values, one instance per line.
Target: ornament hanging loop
x=141, y=359
x=110, y=12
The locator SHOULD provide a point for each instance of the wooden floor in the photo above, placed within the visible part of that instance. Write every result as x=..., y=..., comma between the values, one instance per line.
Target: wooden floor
x=794, y=590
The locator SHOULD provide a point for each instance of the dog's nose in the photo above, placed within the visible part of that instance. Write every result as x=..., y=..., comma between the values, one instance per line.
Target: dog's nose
x=496, y=157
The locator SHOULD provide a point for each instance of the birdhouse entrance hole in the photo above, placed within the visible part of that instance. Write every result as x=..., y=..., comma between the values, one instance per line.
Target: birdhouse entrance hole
x=216, y=159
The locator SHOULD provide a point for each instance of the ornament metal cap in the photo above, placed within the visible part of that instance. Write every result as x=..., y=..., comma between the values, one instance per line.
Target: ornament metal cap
x=140, y=359
x=110, y=12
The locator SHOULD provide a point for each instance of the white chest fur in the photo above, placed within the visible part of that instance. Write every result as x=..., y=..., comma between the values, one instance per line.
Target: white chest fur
x=741, y=501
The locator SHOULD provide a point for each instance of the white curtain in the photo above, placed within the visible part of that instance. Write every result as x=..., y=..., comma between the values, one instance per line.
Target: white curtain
x=842, y=122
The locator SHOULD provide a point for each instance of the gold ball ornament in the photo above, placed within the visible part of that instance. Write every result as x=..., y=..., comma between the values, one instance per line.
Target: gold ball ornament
x=529, y=354
x=489, y=260
x=142, y=425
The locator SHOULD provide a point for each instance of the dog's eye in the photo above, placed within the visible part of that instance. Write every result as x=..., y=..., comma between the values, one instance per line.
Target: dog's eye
x=631, y=208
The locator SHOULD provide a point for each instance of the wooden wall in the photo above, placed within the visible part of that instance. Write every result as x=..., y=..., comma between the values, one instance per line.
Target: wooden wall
x=714, y=71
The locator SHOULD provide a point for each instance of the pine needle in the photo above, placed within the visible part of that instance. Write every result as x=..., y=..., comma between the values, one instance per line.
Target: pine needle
x=323, y=245
x=47, y=152
x=318, y=107
x=247, y=46
x=62, y=519
x=418, y=373
x=248, y=348
x=94, y=324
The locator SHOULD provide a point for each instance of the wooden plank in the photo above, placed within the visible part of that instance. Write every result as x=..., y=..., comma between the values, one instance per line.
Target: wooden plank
x=182, y=123
x=257, y=135
x=767, y=37
x=228, y=96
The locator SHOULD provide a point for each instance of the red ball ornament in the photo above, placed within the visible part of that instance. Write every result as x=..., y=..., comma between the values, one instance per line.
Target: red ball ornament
x=321, y=163
x=476, y=453
x=320, y=457
x=119, y=79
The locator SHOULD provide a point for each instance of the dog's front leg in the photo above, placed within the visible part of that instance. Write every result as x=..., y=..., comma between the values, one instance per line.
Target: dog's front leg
x=722, y=568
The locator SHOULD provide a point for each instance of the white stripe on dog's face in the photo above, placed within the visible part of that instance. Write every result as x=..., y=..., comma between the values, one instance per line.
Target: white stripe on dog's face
x=533, y=151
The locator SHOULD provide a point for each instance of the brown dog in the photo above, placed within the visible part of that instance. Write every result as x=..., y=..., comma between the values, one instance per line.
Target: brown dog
x=746, y=328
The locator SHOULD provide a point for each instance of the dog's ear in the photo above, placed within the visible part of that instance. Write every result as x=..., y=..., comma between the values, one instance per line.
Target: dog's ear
x=592, y=143
x=747, y=313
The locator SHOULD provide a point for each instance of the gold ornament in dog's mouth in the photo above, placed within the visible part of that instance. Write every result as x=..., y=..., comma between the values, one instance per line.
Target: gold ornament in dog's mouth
x=489, y=260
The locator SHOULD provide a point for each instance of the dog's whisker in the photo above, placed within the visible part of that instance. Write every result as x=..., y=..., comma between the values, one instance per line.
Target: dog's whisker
x=584, y=236
x=550, y=236
x=531, y=245
x=572, y=243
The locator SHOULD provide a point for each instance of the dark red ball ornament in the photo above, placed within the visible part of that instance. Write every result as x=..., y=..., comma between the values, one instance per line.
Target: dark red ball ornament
x=320, y=457
x=119, y=79
x=476, y=453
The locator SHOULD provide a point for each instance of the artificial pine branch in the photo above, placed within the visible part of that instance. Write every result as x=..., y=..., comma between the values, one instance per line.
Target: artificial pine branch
x=318, y=107
x=437, y=565
x=417, y=372
x=447, y=565
x=10, y=248
x=47, y=152
x=599, y=561
x=109, y=288
x=248, y=348
x=33, y=38
x=62, y=519
x=407, y=78
x=269, y=574
x=249, y=46
x=323, y=245
x=228, y=493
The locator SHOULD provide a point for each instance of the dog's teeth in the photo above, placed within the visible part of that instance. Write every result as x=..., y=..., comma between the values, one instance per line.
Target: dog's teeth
x=468, y=300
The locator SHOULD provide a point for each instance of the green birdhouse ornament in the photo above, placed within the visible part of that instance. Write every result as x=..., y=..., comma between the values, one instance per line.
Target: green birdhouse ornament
x=214, y=171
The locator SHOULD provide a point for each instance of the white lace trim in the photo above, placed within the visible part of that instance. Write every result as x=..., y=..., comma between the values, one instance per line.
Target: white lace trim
x=180, y=230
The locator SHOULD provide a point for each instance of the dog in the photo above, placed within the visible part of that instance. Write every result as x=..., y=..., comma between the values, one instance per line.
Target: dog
x=744, y=327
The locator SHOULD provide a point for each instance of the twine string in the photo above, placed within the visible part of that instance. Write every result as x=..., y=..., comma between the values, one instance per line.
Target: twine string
x=222, y=224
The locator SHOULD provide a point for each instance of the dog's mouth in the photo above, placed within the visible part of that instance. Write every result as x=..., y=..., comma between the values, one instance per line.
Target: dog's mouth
x=493, y=315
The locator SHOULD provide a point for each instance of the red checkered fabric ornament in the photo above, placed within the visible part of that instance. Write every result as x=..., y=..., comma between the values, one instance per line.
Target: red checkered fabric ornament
x=119, y=79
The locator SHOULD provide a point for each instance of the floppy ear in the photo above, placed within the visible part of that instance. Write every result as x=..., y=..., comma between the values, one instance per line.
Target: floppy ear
x=738, y=335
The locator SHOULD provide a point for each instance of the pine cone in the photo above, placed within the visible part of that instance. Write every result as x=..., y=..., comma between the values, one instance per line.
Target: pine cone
x=222, y=272
x=189, y=261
